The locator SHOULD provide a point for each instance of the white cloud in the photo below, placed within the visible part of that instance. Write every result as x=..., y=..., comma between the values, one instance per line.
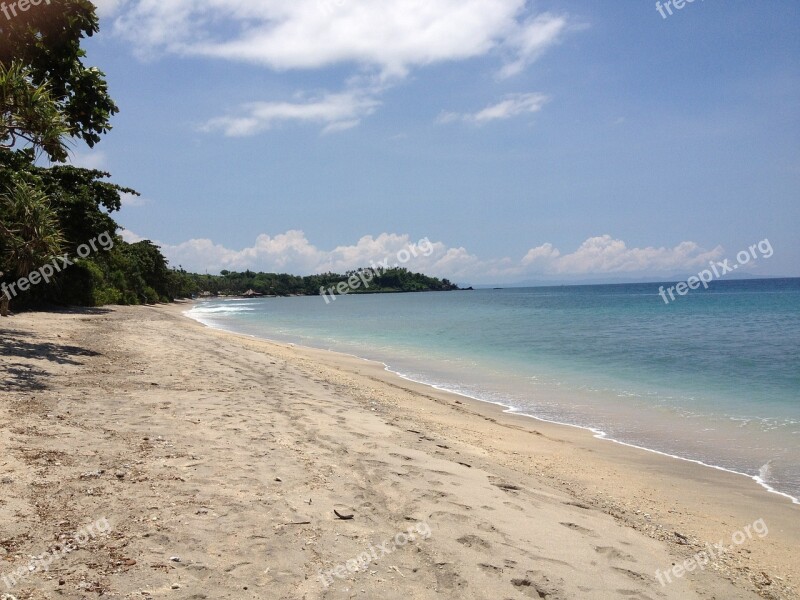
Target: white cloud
x=530, y=40
x=336, y=112
x=132, y=200
x=540, y=257
x=130, y=237
x=107, y=8
x=512, y=105
x=381, y=40
x=604, y=254
x=391, y=36
x=340, y=126
x=292, y=252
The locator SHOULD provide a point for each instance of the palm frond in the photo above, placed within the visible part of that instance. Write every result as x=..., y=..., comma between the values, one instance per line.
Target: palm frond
x=30, y=114
x=30, y=229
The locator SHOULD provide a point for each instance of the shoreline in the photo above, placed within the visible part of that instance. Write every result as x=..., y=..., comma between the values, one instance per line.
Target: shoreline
x=595, y=433
x=683, y=476
x=230, y=453
x=681, y=473
x=511, y=410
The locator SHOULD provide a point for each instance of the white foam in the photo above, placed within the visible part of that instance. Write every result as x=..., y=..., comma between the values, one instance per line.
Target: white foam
x=602, y=435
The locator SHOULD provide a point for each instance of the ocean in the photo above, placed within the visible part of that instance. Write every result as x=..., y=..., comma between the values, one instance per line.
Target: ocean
x=712, y=377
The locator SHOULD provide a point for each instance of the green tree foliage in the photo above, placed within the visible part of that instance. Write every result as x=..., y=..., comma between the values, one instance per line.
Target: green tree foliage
x=29, y=233
x=47, y=95
x=30, y=229
x=46, y=40
x=75, y=204
x=274, y=284
x=83, y=199
x=28, y=113
x=127, y=274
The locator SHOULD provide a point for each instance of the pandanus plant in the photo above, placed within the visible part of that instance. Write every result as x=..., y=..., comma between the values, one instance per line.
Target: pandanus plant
x=29, y=232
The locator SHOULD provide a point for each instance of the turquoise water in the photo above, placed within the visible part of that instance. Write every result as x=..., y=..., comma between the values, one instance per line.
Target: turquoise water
x=712, y=377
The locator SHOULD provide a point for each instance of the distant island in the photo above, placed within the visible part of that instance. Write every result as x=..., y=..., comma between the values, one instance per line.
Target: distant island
x=360, y=281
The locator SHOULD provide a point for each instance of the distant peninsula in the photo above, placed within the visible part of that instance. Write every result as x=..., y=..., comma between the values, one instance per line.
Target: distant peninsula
x=360, y=281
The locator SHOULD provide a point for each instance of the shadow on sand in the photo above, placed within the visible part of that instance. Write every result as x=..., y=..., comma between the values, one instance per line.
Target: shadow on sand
x=14, y=344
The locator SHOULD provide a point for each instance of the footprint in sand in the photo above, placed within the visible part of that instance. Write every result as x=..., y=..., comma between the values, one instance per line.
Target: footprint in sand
x=576, y=527
x=507, y=487
x=431, y=494
x=537, y=585
x=491, y=568
x=447, y=578
x=634, y=594
x=632, y=574
x=401, y=456
x=614, y=553
x=473, y=541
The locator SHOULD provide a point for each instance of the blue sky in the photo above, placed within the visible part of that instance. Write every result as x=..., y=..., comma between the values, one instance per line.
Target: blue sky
x=526, y=141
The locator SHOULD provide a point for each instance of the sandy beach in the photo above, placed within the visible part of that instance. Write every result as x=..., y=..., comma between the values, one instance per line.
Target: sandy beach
x=177, y=461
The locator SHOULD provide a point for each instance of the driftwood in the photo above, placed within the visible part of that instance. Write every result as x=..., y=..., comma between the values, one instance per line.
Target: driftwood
x=341, y=516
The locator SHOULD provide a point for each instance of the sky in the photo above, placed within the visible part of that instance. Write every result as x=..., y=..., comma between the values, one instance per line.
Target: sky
x=521, y=141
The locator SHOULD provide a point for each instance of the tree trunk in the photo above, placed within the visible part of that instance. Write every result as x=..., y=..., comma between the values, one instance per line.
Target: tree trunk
x=3, y=305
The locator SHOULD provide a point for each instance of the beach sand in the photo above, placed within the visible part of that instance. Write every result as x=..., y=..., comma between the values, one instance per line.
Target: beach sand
x=218, y=461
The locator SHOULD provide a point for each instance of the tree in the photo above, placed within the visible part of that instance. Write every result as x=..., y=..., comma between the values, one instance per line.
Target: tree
x=48, y=95
x=29, y=113
x=46, y=39
x=29, y=227
x=30, y=231
x=32, y=235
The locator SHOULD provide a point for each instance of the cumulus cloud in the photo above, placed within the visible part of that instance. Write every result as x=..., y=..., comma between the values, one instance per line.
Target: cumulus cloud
x=130, y=237
x=604, y=254
x=511, y=106
x=337, y=112
x=292, y=252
